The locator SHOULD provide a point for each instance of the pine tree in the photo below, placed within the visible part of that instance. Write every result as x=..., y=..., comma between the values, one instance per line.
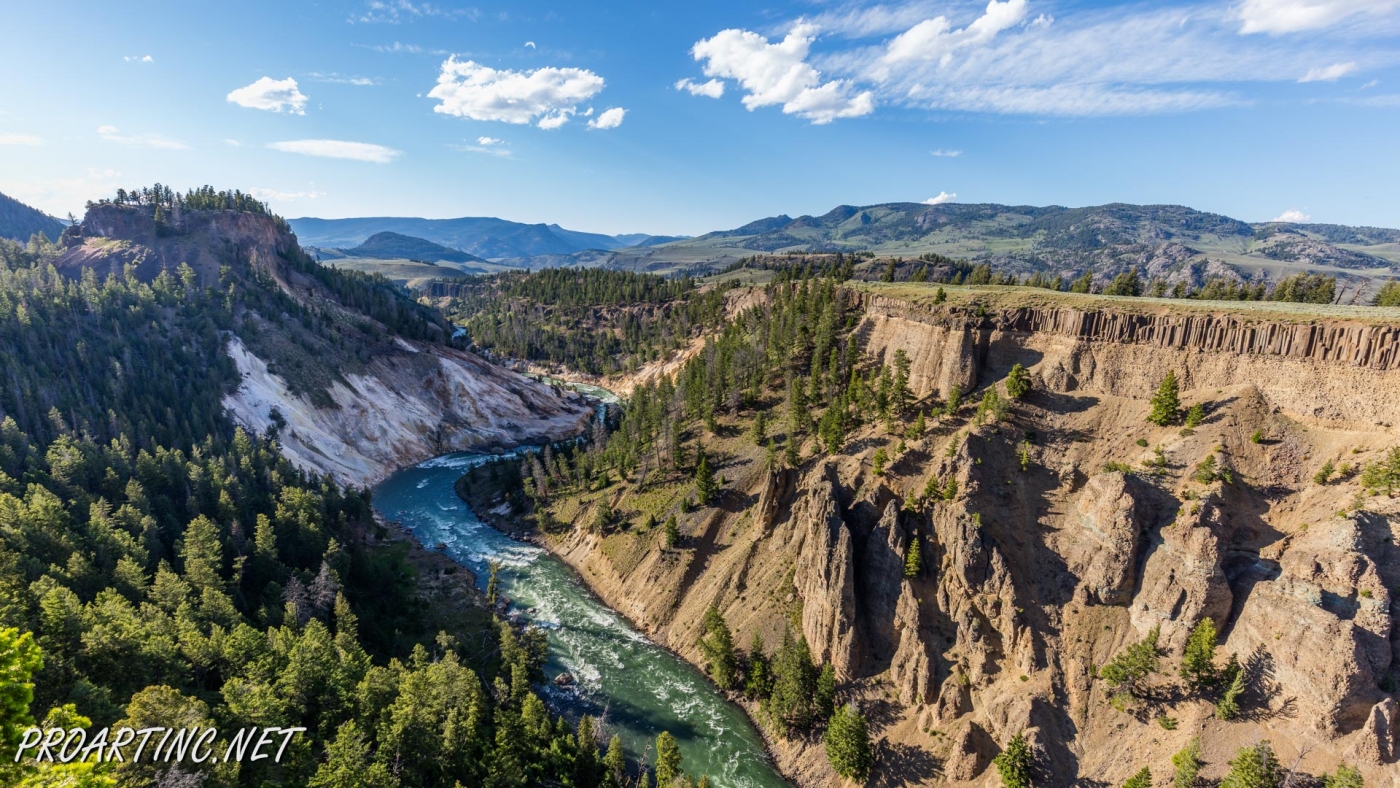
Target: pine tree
x=706, y=489
x=826, y=691
x=1015, y=764
x=758, y=679
x=1198, y=662
x=794, y=684
x=671, y=532
x=1143, y=779
x=1228, y=707
x=940, y=296
x=1194, y=416
x=1128, y=671
x=1018, y=382
x=1253, y=767
x=668, y=759
x=950, y=408
x=759, y=431
x=1166, y=403
x=348, y=763
x=1187, y=765
x=913, y=561
x=614, y=764
x=1345, y=776
x=586, y=765
x=877, y=462
x=717, y=645
x=848, y=744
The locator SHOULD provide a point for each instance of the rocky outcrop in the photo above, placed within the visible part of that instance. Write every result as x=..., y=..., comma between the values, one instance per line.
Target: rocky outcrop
x=405, y=408
x=1323, y=623
x=972, y=750
x=911, y=670
x=881, y=576
x=1379, y=739
x=777, y=492
x=1182, y=579
x=1111, y=524
x=825, y=573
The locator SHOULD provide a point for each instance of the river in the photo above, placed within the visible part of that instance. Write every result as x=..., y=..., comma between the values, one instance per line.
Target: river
x=638, y=688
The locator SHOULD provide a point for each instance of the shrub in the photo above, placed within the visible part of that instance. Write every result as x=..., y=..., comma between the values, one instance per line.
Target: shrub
x=1324, y=474
x=1142, y=779
x=1187, y=765
x=1257, y=437
x=1346, y=776
x=1018, y=382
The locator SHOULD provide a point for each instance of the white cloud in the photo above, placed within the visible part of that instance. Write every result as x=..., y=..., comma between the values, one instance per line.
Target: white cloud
x=273, y=195
x=489, y=141
x=137, y=59
x=1293, y=216
x=946, y=154
x=713, y=88
x=941, y=198
x=935, y=40
x=530, y=44
x=99, y=174
x=487, y=145
x=1330, y=73
x=59, y=195
x=393, y=12
x=276, y=95
x=400, y=48
x=470, y=90
x=779, y=74
x=608, y=119
x=1371, y=84
x=339, y=149
x=1293, y=16
x=20, y=139
x=112, y=134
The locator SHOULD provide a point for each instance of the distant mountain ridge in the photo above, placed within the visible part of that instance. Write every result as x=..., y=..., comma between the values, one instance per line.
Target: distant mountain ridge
x=396, y=246
x=19, y=221
x=484, y=237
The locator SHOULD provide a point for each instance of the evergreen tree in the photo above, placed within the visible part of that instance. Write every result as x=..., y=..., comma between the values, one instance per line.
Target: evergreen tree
x=1187, y=765
x=1253, y=767
x=614, y=764
x=717, y=644
x=668, y=760
x=913, y=561
x=940, y=296
x=759, y=431
x=954, y=401
x=1166, y=403
x=1345, y=777
x=826, y=691
x=348, y=763
x=758, y=680
x=1233, y=676
x=586, y=765
x=1198, y=662
x=791, y=700
x=877, y=462
x=1015, y=764
x=1129, y=669
x=1195, y=415
x=1018, y=382
x=1143, y=779
x=848, y=744
x=671, y=532
x=1083, y=283
x=20, y=659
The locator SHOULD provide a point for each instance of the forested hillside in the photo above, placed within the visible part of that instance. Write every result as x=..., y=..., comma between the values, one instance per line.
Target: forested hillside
x=161, y=567
x=19, y=221
x=594, y=320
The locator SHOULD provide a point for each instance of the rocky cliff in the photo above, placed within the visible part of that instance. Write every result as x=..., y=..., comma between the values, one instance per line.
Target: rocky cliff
x=355, y=378
x=1073, y=530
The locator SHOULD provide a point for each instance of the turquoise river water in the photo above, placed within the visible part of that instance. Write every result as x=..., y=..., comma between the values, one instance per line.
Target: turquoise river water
x=638, y=688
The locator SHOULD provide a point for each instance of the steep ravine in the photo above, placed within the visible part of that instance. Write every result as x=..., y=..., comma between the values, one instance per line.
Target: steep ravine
x=1038, y=571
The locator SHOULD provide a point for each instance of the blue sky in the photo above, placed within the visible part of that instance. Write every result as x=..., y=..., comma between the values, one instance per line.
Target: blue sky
x=684, y=118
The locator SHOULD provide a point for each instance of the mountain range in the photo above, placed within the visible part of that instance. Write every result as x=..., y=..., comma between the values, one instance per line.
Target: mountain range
x=483, y=237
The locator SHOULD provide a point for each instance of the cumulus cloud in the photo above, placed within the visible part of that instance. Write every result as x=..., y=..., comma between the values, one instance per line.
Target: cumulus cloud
x=339, y=149
x=713, y=88
x=946, y=154
x=608, y=119
x=1292, y=16
x=137, y=59
x=779, y=74
x=20, y=139
x=1292, y=216
x=1330, y=73
x=113, y=134
x=488, y=141
x=274, y=195
x=547, y=96
x=941, y=198
x=276, y=95
x=935, y=40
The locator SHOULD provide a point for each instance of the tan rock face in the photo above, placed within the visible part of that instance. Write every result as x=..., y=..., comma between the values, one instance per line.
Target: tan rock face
x=911, y=670
x=825, y=574
x=1182, y=580
x=881, y=583
x=1108, y=516
x=972, y=750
